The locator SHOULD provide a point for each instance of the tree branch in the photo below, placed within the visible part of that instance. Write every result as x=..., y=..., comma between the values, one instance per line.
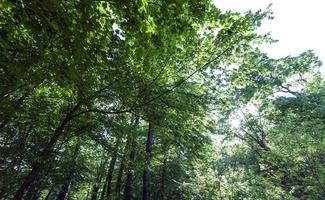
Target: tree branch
x=183, y=80
x=107, y=112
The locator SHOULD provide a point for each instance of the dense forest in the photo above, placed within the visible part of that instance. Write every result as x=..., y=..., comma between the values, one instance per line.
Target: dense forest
x=154, y=99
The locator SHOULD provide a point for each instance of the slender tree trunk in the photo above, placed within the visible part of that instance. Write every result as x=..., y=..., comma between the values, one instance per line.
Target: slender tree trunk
x=108, y=182
x=146, y=173
x=128, y=190
x=38, y=166
x=35, y=196
x=170, y=196
x=119, y=178
x=49, y=193
x=66, y=185
x=110, y=175
x=64, y=189
x=30, y=193
x=94, y=192
x=129, y=179
x=99, y=177
x=28, y=180
x=164, y=174
x=89, y=191
x=103, y=193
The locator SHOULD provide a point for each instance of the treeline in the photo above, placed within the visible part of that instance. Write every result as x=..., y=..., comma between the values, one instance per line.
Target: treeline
x=124, y=99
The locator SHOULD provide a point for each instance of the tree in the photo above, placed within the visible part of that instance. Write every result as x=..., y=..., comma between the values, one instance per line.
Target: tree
x=89, y=84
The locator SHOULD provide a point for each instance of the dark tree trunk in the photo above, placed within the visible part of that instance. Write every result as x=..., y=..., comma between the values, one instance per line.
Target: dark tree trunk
x=49, y=193
x=28, y=180
x=99, y=177
x=119, y=178
x=128, y=190
x=94, y=192
x=65, y=188
x=66, y=185
x=129, y=179
x=108, y=182
x=38, y=167
x=146, y=173
x=89, y=191
x=35, y=188
x=145, y=186
x=35, y=196
x=103, y=193
x=110, y=175
x=31, y=193
x=164, y=174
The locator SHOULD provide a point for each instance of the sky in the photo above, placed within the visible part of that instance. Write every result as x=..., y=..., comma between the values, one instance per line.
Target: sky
x=299, y=25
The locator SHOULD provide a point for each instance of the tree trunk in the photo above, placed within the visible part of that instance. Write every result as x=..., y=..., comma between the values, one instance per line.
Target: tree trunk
x=110, y=175
x=38, y=166
x=89, y=191
x=129, y=180
x=64, y=190
x=128, y=190
x=145, y=186
x=94, y=192
x=108, y=182
x=31, y=193
x=164, y=174
x=49, y=193
x=66, y=185
x=146, y=173
x=35, y=196
x=119, y=178
x=28, y=180
x=99, y=177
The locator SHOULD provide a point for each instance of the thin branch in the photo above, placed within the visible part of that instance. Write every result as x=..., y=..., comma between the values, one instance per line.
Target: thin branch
x=180, y=82
x=287, y=90
x=107, y=112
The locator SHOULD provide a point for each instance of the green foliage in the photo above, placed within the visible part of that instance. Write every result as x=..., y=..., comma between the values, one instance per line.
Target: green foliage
x=82, y=82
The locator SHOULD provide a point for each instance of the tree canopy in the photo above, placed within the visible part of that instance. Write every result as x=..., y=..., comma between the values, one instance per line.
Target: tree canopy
x=137, y=100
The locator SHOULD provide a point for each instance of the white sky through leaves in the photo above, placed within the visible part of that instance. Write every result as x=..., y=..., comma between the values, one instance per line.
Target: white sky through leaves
x=299, y=25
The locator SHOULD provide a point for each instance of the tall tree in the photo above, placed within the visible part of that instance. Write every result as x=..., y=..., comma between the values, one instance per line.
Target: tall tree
x=75, y=73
